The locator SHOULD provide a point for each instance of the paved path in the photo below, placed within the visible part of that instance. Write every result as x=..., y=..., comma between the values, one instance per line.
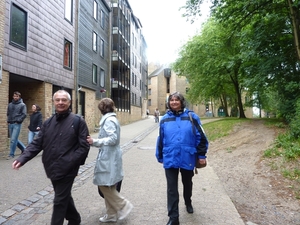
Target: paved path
x=26, y=195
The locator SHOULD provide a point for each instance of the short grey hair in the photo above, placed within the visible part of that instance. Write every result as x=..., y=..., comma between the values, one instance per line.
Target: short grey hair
x=64, y=92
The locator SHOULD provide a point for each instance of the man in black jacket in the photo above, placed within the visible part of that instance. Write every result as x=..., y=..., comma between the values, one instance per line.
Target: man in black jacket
x=64, y=149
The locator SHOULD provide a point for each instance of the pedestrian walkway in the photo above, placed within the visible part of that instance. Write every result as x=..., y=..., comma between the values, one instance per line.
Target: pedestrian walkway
x=144, y=185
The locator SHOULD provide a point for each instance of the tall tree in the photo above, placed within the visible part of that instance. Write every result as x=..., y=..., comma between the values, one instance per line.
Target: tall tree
x=212, y=64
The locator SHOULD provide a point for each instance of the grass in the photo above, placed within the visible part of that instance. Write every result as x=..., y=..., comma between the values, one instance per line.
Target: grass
x=284, y=155
x=221, y=128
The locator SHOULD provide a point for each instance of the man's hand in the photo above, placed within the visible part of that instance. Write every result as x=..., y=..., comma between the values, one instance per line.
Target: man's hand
x=16, y=165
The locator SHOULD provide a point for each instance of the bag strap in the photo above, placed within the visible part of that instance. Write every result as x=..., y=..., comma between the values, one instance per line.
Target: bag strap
x=193, y=126
x=194, y=131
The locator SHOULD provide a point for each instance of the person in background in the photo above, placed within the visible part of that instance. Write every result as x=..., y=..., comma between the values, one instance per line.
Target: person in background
x=156, y=115
x=36, y=121
x=108, y=169
x=16, y=113
x=64, y=148
x=178, y=147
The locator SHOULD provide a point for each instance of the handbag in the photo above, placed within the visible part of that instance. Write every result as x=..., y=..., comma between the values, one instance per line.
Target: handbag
x=197, y=164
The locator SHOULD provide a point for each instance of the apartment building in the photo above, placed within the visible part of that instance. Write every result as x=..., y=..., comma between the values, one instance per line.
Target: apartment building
x=84, y=47
x=162, y=81
x=37, y=52
x=93, y=60
x=129, y=64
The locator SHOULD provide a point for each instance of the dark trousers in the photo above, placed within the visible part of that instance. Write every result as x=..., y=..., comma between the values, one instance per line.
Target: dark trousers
x=172, y=190
x=63, y=204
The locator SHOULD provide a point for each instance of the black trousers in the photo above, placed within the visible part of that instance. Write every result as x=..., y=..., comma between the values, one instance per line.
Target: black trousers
x=63, y=204
x=172, y=189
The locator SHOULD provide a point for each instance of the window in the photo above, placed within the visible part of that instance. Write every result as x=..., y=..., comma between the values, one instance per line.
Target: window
x=67, y=54
x=102, y=19
x=95, y=10
x=18, y=27
x=69, y=10
x=132, y=56
x=95, y=42
x=102, y=78
x=102, y=47
x=132, y=79
x=95, y=74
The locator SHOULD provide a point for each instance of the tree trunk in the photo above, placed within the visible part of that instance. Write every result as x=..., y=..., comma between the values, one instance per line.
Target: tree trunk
x=295, y=17
x=238, y=91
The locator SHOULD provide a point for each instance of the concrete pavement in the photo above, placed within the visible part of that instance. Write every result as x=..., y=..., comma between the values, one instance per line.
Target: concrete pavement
x=26, y=195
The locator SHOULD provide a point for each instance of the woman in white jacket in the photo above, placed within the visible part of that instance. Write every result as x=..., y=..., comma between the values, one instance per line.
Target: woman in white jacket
x=108, y=169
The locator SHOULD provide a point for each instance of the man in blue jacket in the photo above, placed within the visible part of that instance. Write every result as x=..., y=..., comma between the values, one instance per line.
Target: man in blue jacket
x=180, y=143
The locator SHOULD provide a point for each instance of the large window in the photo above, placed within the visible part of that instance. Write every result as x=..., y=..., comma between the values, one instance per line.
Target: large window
x=95, y=74
x=102, y=78
x=95, y=10
x=18, y=27
x=95, y=42
x=69, y=10
x=67, y=54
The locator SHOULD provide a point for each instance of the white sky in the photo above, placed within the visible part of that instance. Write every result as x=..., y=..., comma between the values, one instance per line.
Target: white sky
x=164, y=28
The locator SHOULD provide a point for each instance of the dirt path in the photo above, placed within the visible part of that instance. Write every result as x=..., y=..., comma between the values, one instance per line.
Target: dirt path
x=260, y=194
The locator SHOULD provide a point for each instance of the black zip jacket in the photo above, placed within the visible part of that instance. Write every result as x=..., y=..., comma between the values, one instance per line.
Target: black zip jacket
x=64, y=148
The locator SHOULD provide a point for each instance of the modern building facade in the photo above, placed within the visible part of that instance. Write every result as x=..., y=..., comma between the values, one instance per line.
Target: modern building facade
x=37, y=51
x=84, y=47
x=129, y=64
x=92, y=76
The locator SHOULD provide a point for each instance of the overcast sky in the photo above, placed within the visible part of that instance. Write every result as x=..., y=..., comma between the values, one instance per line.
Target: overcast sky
x=164, y=28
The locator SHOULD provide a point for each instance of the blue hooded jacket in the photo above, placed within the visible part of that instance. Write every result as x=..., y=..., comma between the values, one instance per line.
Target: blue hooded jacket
x=178, y=144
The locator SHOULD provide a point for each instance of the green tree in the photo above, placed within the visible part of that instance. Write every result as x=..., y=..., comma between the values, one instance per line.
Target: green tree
x=211, y=62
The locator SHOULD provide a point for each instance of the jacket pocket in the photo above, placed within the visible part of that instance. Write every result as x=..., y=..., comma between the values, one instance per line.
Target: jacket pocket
x=188, y=157
x=102, y=163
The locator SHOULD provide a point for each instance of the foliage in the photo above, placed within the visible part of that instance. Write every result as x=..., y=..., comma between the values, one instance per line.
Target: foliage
x=295, y=122
x=211, y=62
x=247, y=45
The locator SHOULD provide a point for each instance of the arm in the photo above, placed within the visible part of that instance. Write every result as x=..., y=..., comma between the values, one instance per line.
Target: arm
x=159, y=145
x=24, y=112
x=202, y=142
x=111, y=134
x=40, y=121
x=82, y=151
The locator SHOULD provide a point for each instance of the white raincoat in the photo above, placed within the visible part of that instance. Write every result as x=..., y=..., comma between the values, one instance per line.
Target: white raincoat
x=108, y=169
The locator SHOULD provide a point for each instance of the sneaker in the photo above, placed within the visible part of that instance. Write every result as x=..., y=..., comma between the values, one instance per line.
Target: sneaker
x=108, y=218
x=9, y=157
x=124, y=212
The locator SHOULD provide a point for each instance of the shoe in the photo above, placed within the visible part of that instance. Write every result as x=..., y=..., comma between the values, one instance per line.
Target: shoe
x=108, y=218
x=9, y=157
x=189, y=209
x=74, y=222
x=124, y=212
x=173, y=222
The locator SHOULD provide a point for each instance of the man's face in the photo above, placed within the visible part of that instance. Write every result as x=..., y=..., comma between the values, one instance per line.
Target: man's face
x=16, y=97
x=61, y=102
